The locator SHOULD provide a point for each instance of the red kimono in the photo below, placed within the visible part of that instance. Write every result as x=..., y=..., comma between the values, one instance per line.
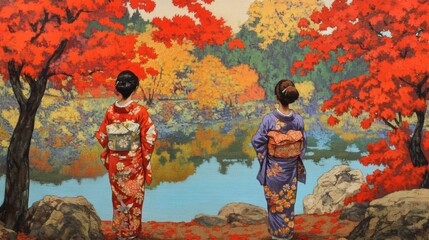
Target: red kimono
x=127, y=162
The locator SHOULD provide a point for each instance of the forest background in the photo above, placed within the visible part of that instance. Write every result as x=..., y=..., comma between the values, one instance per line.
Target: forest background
x=189, y=87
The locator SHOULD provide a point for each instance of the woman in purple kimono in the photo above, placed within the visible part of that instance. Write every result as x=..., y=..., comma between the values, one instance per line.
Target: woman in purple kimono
x=280, y=175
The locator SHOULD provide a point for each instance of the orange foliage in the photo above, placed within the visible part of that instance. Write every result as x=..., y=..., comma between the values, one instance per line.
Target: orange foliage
x=247, y=80
x=209, y=142
x=61, y=141
x=87, y=165
x=39, y=159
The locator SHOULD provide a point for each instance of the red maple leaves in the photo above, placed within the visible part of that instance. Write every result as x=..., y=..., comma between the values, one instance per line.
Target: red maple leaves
x=207, y=29
x=32, y=32
x=391, y=37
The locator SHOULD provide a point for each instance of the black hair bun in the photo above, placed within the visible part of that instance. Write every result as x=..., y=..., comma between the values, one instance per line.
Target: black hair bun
x=126, y=83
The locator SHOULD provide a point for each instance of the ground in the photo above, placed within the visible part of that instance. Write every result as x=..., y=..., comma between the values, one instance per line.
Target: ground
x=307, y=227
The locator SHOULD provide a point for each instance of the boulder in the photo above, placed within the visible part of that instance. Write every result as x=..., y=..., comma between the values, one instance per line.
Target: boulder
x=210, y=220
x=244, y=213
x=236, y=214
x=331, y=190
x=63, y=219
x=6, y=233
x=354, y=212
x=399, y=215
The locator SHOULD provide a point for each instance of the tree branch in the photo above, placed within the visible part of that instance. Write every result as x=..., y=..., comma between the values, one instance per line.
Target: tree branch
x=40, y=85
x=71, y=17
x=389, y=124
x=41, y=29
x=425, y=92
x=373, y=29
x=407, y=82
x=419, y=87
x=398, y=120
x=279, y=15
x=30, y=80
x=14, y=75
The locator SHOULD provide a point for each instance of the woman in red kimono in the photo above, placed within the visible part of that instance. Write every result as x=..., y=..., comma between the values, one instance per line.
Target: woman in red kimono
x=128, y=135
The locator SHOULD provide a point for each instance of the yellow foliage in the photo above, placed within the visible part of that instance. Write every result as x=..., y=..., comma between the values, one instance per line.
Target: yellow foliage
x=53, y=92
x=346, y=128
x=209, y=142
x=66, y=114
x=4, y=137
x=49, y=101
x=212, y=82
x=10, y=115
x=278, y=19
x=175, y=170
x=247, y=147
x=306, y=91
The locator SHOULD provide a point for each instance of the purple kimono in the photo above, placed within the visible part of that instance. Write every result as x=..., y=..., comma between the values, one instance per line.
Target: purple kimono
x=279, y=176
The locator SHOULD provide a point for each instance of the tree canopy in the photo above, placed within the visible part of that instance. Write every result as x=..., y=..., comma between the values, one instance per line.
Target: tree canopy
x=392, y=37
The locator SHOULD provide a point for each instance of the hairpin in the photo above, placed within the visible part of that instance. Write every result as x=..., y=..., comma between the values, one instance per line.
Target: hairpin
x=285, y=90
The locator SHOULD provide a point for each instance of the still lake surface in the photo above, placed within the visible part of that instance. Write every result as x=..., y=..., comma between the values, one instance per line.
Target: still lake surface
x=207, y=190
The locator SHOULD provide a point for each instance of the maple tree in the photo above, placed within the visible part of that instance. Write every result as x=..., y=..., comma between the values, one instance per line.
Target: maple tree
x=392, y=37
x=277, y=20
x=51, y=41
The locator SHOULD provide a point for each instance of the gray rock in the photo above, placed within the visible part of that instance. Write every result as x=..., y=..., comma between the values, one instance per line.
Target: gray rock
x=399, y=215
x=63, y=219
x=236, y=214
x=354, y=212
x=331, y=190
x=244, y=213
x=6, y=233
x=210, y=220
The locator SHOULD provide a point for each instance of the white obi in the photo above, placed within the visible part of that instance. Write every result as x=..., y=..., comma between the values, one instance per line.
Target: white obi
x=123, y=136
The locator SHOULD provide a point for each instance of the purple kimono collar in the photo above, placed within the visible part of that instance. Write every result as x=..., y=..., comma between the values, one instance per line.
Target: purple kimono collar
x=282, y=117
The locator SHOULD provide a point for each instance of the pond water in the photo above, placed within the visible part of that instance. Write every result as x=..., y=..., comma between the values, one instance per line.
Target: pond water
x=205, y=191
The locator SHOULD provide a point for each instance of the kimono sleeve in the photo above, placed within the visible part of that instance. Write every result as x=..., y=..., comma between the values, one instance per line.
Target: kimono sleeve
x=148, y=134
x=101, y=134
x=304, y=135
x=260, y=139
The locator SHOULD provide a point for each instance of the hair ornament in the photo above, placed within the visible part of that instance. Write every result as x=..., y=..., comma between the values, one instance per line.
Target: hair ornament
x=285, y=90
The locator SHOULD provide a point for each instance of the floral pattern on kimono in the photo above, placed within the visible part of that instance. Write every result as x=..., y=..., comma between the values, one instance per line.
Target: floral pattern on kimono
x=279, y=176
x=128, y=170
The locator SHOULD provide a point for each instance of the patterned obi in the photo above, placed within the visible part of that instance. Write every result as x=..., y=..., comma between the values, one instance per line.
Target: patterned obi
x=123, y=136
x=285, y=145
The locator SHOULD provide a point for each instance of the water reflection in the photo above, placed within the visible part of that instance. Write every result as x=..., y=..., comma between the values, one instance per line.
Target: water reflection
x=194, y=173
x=206, y=191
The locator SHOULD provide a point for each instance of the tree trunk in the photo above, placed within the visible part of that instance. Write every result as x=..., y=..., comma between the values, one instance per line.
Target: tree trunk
x=425, y=183
x=415, y=144
x=16, y=196
x=415, y=148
